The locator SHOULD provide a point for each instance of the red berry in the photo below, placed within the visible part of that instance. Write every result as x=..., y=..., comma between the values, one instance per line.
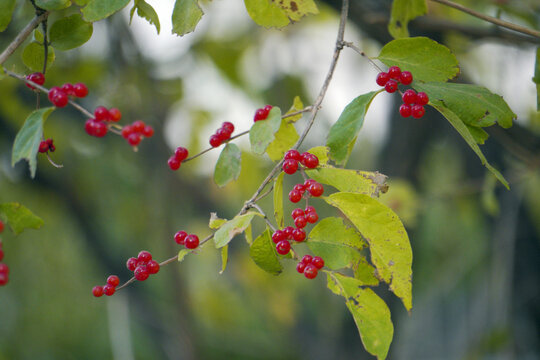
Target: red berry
x=391, y=86
x=181, y=153
x=4, y=269
x=318, y=262
x=215, y=141
x=115, y=115
x=152, y=267
x=405, y=110
x=174, y=163
x=144, y=256
x=300, y=222
x=307, y=259
x=409, y=97
x=295, y=196
x=293, y=154
x=138, y=126
x=37, y=77
x=131, y=264
x=300, y=267
x=394, y=72
x=58, y=97
x=310, y=271
x=405, y=78
x=310, y=161
x=422, y=98
x=279, y=235
x=80, y=90
x=97, y=291
x=4, y=278
x=316, y=189
x=180, y=237
x=101, y=113
x=126, y=131
x=141, y=273
x=267, y=109
x=418, y=111
x=192, y=241
x=382, y=78
x=299, y=187
x=260, y=114
x=1, y=228
x=100, y=129
x=308, y=183
x=299, y=235
x=288, y=232
x=290, y=166
x=1, y=254
x=109, y=289
x=113, y=280
x=283, y=247
x=310, y=209
x=297, y=212
x=312, y=217
x=223, y=135
x=228, y=126
x=148, y=131
x=43, y=147
x=68, y=89
x=134, y=139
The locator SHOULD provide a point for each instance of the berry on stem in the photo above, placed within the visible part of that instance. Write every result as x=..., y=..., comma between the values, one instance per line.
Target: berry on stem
x=134, y=139
x=290, y=166
x=422, y=98
x=316, y=189
x=174, y=163
x=391, y=86
x=97, y=291
x=4, y=269
x=297, y=212
x=1, y=227
x=180, y=237
x=36, y=77
x=191, y=241
x=278, y=236
x=68, y=89
x=144, y=256
x=310, y=271
x=113, y=280
x=418, y=111
x=318, y=262
x=293, y=154
x=215, y=141
x=101, y=113
x=109, y=289
x=409, y=97
x=382, y=78
x=307, y=259
x=152, y=267
x=115, y=114
x=405, y=110
x=300, y=267
x=283, y=247
x=405, y=78
x=181, y=153
x=80, y=90
x=58, y=97
x=295, y=196
x=141, y=273
x=394, y=72
x=131, y=264
x=309, y=160
x=312, y=217
x=300, y=221
x=299, y=235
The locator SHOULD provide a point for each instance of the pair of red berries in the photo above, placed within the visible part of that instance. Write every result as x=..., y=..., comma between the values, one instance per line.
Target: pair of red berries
x=302, y=217
x=135, y=132
x=310, y=266
x=391, y=78
x=180, y=154
x=190, y=241
x=46, y=145
x=314, y=188
x=222, y=134
x=293, y=157
x=143, y=266
x=262, y=113
x=108, y=289
x=413, y=104
x=4, y=269
x=60, y=96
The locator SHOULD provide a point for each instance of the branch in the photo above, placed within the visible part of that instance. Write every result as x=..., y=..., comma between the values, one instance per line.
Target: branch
x=19, y=39
x=502, y=23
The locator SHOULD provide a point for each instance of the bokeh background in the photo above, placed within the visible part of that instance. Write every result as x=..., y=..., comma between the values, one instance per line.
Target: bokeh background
x=476, y=246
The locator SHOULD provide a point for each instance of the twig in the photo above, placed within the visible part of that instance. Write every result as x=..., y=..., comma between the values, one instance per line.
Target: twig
x=358, y=50
x=258, y=208
x=502, y=23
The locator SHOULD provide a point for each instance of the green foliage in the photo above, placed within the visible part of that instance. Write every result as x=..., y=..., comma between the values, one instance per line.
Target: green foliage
x=322, y=153
x=388, y=241
x=263, y=252
x=33, y=56
x=100, y=9
x=228, y=165
x=70, y=32
x=27, y=141
x=536, y=78
x=53, y=4
x=286, y=136
x=426, y=59
x=182, y=254
x=370, y=313
x=185, y=17
x=37, y=36
x=19, y=217
x=364, y=182
x=232, y=228
x=146, y=11
x=404, y=11
x=262, y=132
x=271, y=13
x=6, y=12
x=224, y=258
x=278, y=200
x=215, y=222
x=343, y=133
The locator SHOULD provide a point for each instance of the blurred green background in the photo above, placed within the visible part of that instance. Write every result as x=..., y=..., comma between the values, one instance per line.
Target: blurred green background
x=476, y=246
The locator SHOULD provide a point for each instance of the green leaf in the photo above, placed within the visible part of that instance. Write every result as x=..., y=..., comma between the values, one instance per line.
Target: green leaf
x=263, y=252
x=186, y=15
x=100, y=9
x=296, y=106
x=322, y=153
x=228, y=165
x=182, y=254
x=479, y=134
x=272, y=13
x=365, y=272
x=224, y=258
x=387, y=238
x=215, y=222
x=81, y=2
x=37, y=36
x=474, y=105
x=6, y=12
x=70, y=32
x=278, y=201
x=370, y=313
x=27, y=141
x=461, y=128
x=336, y=243
x=146, y=11
x=364, y=182
x=296, y=9
x=404, y=11
x=53, y=4
x=248, y=233
x=426, y=59
x=536, y=78
x=347, y=127
x=231, y=228
x=19, y=217
x=285, y=138
x=262, y=132
x=33, y=56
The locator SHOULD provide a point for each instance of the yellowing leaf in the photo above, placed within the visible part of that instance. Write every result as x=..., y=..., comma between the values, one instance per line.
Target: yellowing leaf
x=19, y=217
x=224, y=258
x=215, y=222
x=364, y=182
x=402, y=12
x=278, y=13
x=322, y=153
x=232, y=228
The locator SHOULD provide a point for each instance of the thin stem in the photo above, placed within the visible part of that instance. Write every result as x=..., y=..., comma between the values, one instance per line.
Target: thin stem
x=502, y=23
x=268, y=222
x=359, y=51
x=19, y=39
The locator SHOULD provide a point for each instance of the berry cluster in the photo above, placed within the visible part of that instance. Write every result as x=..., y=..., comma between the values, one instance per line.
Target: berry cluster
x=262, y=113
x=135, y=132
x=4, y=269
x=391, y=78
x=143, y=266
x=314, y=188
x=46, y=145
x=190, y=241
x=108, y=289
x=222, y=134
x=310, y=266
x=293, y=157
x=60, y=96
x=413, y=104
x=301, y=218
x=180, y=154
